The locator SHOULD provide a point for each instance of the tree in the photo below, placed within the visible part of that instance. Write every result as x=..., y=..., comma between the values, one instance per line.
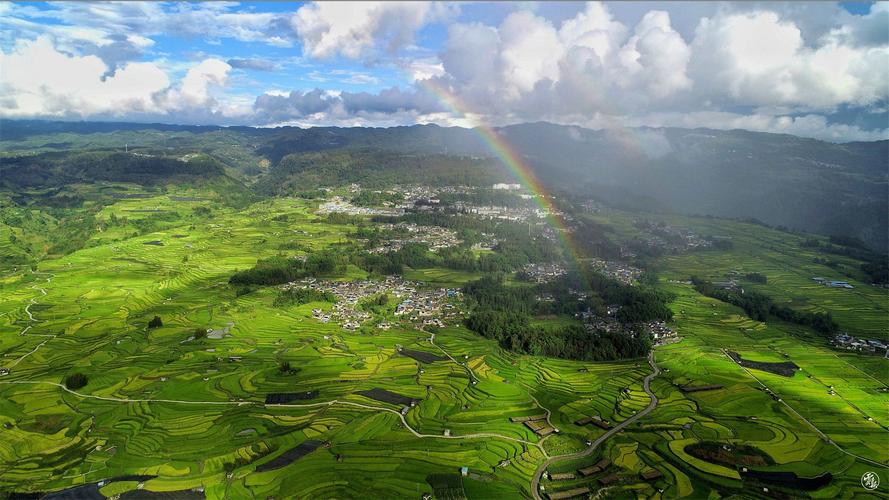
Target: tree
x=155, y=322
x=75, y=381
x=284, y=367
x=200, y=333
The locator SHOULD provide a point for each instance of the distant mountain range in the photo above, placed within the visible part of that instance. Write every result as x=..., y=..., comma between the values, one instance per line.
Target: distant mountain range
x=806, y=184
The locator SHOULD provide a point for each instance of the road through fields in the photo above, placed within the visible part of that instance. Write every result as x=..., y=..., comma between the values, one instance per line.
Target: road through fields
x=646, y=385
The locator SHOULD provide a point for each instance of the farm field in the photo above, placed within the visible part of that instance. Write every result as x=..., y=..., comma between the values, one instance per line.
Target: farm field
x=166, y=412
x=189, y=413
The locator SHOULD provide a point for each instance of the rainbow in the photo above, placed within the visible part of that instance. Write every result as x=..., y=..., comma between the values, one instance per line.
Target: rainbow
x=513, y=161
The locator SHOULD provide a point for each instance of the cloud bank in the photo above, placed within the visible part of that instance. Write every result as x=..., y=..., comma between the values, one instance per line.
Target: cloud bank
x=798, y=68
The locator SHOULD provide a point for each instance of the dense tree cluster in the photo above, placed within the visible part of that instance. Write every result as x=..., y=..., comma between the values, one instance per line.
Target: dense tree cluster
x=367, y=198
x=504, y=313
x=756, y=278
x=300, y=296
x=760, y=307
x=279, y=270
x=76, y=381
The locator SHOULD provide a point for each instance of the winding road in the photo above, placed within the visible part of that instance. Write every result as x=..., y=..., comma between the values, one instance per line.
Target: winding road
x=646, y=385
x=31, y=321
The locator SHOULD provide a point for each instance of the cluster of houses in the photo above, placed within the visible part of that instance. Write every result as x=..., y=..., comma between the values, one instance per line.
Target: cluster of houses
x=848, y=342
x=528, y=214
x=595, y=324
x=624, y=273
x=661, y=333
x=421, y=305
x=506, y=187
x=342, y=206
x=536, y=423
x=599, y=467
x=434, y=236
x=431, y=307
x=658, y=235
x=543, y=273
x=832, y=283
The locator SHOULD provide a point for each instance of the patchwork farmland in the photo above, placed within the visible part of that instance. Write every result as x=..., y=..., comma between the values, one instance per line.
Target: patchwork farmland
x=272, y=402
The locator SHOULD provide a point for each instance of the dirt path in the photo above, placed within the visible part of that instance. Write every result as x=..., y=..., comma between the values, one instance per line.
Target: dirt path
x=798, y=415
x=32, y=320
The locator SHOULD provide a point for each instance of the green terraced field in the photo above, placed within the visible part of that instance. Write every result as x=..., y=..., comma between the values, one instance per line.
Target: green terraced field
x=192, y=413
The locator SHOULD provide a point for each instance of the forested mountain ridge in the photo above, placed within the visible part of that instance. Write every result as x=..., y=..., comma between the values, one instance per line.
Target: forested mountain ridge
x=782, y=180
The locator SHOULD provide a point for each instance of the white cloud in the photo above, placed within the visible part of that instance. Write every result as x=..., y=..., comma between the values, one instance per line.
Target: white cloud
x=762, y=66
x=62, y=85
x=590, y=63
x=122, y=31
x=40, y=81
x=358, y=29
x=759, y=59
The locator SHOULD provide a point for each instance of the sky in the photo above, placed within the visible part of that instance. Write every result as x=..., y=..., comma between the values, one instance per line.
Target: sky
x=815, y=69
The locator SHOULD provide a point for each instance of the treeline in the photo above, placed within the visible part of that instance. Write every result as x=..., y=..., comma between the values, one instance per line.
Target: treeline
x=761, y=307
x=875, y=266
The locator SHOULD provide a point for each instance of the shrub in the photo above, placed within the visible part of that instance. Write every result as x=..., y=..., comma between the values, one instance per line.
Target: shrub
x=75, y=381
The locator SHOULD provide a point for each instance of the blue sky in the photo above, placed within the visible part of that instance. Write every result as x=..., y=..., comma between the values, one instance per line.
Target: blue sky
x=813, y=69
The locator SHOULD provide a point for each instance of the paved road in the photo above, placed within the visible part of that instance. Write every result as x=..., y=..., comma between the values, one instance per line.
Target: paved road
x=646, y=385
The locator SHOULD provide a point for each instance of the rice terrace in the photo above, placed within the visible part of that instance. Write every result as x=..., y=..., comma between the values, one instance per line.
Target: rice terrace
x=492, y=251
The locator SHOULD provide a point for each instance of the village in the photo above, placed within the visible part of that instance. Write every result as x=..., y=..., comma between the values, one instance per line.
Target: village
x=618, y=271
x=434, y=237
x=421, y=307
x=670, y=239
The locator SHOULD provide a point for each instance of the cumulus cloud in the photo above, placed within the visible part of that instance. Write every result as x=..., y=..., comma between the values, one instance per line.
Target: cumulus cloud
x=593, y=70
x=398, y=105
x=70, y=86
x=776, y=68
x=356, y=29
x=588, y=64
